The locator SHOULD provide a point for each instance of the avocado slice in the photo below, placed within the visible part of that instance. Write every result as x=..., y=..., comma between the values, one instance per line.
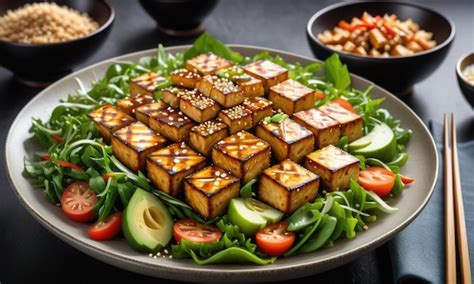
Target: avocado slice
x=250, y=215
x=380, y=143
x=147, y=223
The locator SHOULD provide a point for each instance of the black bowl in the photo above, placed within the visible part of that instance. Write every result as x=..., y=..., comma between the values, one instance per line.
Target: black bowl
x=466, y=88
x=179, y=17
x=397, y=74
x=40, y=64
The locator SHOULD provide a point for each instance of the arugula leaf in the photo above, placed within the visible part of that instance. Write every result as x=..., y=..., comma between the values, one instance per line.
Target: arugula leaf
x=337, y=73
x=206, y=43
x=246, y=190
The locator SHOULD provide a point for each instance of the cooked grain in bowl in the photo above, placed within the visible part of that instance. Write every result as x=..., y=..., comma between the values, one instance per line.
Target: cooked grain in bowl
x=44, y=23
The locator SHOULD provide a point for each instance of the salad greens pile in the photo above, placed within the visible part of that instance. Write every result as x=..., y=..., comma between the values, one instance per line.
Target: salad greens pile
x=72, y=150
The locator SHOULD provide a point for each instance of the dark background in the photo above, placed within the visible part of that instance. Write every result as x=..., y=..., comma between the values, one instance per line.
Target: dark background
x=28, y=252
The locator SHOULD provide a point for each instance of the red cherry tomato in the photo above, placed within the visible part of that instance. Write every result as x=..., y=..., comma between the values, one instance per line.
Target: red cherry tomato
x=108, y=229
x=407, y=180
x=78, y=202
x=275, y=240
x=345, y=104
x=57, y=138
x=378, y=180
x=70, y=165
x=195, y=232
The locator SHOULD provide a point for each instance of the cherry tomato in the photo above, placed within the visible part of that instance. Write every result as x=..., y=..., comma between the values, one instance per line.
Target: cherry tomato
x=378, y=180
x=108, y=229
x=275, y=240
x=46, y=158
x=57, y=138
x=195, y=232
x=70, y=165
x=407, y=180
x=78, y=202
x=345, y=104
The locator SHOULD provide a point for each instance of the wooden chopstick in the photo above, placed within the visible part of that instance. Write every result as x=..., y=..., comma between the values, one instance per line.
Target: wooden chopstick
x=460, y=223
x=449, y=229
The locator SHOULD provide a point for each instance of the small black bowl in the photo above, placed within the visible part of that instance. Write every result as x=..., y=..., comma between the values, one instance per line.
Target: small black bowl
x=38, y=65
x=466, y=88
x=397, y=74
x=179, y=17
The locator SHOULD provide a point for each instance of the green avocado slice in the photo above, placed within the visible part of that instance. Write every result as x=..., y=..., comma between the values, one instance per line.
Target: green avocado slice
x=380, y=143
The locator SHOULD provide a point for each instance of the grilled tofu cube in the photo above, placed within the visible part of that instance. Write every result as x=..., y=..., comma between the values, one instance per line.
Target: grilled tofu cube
x=198, y=107
x=207, y=63
x=131, y=144
x=350, y=122
x=242, y=154
x=267, y=71
x=251, y=86
x=325, y=129
x=143, y=113
x=287, y=186
x=260, y=108
x=171, y=96
x=289, y=139
x=291, y=96
x=207, y=83
x=108, y=119
x=145, y=84
x=210, y=190
x=335, y=167
x=237, y=118
x=226, y=93
x=205, y=135
x=129, y=104
x=185, y=78
x=377, y=39
x=172, y=124
x=168, y=167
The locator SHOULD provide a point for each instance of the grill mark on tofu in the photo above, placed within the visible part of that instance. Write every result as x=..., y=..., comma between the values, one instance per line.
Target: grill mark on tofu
x=203, y=136
x=108, y=119
x=325, y=129
x=339, y=113
x=129, y=104
x=288, y=130
x=292, y=89
x=139, y=137
x=211, y=180
x=145, y=84
x=176, y=158
x=291, y=96
x=241, y=146
x=207, y=63
x=144, y=112
x=265, y=69
x=172, y=124
x=260, y=108
x=332, y=158
x=172, y=95
x=290, y=175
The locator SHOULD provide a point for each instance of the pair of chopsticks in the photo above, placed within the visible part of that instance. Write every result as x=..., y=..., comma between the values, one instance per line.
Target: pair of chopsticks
x=455, y=225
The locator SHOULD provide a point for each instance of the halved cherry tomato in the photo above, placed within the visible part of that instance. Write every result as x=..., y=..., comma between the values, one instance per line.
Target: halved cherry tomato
x=407, y=180
x=275, y=240
x=345, y=104
x=78, y=202
x=378, y=180
x=57, y=138
x=46, y=158
x=195, y=232
x=108, y=229
x=70, y=165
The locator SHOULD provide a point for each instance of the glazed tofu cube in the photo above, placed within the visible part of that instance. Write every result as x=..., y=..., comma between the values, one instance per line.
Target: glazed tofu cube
x=360, y=50
x=325, y=129
x=260, y=108
x=251, y=86
x=377, y=39
x=267, y=71
x=131, y=144
x=242, y=154
x=335, y=167
x=171, y=96
x=237, y=118
x=198, y=107
x=144, y=112
x=226, y=93
x=168, y=167
x=210, y=190
x=129, y=104
x=205, y=135
x=207, y=63
x=287, y=186
x=108, y=119
x=172, y=124
x=400, y=50
x=207, y=83
x=350, y=122
x=291, y=96
x=145, y=84
x=185, y=78
x=289, y=139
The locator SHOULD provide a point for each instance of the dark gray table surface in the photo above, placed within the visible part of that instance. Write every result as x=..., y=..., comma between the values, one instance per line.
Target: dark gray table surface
x=28, y=252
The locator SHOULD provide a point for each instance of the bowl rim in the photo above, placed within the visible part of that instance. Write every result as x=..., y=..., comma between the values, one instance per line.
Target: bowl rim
x=458, y=66
x=323, y=11
x=101, y=28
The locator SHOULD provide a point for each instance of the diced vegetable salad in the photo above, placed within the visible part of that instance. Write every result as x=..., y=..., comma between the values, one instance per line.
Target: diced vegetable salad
x=175, y=202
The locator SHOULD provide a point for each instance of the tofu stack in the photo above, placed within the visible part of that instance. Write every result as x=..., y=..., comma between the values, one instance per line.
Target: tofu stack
x=207, y=135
